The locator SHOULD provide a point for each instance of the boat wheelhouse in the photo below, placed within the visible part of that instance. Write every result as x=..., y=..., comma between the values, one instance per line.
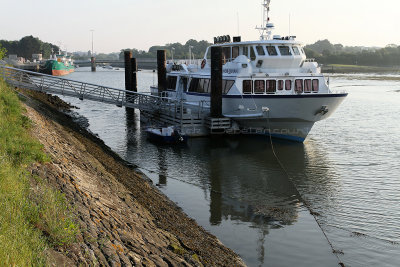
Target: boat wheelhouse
x=269, y=86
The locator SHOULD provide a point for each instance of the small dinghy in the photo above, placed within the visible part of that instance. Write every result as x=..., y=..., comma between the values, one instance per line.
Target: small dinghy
x=166, y=135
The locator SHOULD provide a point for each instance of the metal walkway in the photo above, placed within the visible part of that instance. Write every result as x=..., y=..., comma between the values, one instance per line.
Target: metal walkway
x=158, y=108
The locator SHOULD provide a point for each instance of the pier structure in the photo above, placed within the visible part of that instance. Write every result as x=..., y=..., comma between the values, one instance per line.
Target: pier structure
x=155, y=109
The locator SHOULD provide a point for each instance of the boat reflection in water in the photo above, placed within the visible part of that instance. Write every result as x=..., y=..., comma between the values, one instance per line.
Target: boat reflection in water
x=237, y=181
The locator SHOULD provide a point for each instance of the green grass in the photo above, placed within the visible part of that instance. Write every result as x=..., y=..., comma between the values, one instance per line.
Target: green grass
x=31, y=219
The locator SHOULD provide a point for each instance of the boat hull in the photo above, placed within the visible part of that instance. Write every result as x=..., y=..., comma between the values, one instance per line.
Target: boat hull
x=289, y=117
x=169, y=140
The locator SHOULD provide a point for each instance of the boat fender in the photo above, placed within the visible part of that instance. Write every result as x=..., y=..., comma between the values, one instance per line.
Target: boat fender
x=203, y=63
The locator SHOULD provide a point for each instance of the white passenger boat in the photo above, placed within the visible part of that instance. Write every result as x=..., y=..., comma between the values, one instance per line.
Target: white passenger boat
x=269, y=86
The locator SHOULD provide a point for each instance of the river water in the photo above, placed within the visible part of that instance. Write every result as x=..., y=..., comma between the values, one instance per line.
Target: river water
x=347, y=173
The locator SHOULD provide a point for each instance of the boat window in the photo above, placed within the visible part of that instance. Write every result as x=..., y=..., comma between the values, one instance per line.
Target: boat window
x=260, y=50
x=307, y=85
x=247, y=86
x=252, y=54
x=171, y=82
x=200, y=86
x=299, y=86
x=235, y=52
x=280, y=85
x=272, y=51
x=271, y=86
x=315, y=85
x=226, y=54
x=226, y=86
x=285, y=51
x=183, y=82
x=296, y=50
x=259, y=86
x=194, y=85
x=246, y=51
x=288, y=85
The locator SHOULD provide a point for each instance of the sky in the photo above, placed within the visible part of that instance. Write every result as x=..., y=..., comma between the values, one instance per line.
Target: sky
x=120, y=24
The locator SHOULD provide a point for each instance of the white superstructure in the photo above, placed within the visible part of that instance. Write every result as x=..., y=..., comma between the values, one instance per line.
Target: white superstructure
x=269, y=86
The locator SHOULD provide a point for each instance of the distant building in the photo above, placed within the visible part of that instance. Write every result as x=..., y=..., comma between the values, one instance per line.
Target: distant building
x=13, y=57
x=38, y=57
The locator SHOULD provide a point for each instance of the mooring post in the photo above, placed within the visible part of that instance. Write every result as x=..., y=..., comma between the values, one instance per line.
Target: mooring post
x=128, y=70
x=134, y=68
x=162, y=70
x=216, y=82
x=93, y=63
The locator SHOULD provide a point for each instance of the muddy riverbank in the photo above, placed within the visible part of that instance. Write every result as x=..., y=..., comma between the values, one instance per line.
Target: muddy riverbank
x=124, y=219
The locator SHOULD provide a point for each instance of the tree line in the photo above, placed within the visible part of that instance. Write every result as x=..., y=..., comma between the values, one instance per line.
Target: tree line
x=179, y=51
x=327, y=53
x=27, y=46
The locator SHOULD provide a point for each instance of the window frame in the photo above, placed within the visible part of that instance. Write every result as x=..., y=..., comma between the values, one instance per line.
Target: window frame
x=296, y=83
x=267, y=89
x=273, y=53
x=260, y=48
x=248, y=83
x=284, y=47
x=281, y=85
x=259, y=92
x=313, y=86
x=286, y=85
x=307, y=85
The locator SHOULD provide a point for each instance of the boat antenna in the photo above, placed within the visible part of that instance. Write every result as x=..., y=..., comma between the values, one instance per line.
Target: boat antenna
x=266, y=28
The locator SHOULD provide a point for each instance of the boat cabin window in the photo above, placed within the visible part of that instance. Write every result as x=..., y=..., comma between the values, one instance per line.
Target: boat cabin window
x=252, y=54
x=171, y=82
x=271, y=86
x=226, y=54
x=307, y=86
x=280, y=85
x=288, y=85
x=315, y=85
x=260, y=50
x=259, y=86
x=203, y=86
x=299, y=86
x=247, y=86
x=296, y=50
x=245, y=50
x=235, y=52
x=272, y=51
x=285, y=51
x=226, y=86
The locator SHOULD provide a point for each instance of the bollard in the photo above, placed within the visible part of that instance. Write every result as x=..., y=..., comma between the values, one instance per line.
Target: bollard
x=216, y=82
x=93, y=63
x=162, y=70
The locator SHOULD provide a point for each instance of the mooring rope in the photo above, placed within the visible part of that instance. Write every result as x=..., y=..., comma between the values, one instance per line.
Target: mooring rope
x=335, y=252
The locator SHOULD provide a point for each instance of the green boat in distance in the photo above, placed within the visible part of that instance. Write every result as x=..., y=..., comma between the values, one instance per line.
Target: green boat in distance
x=59, y=65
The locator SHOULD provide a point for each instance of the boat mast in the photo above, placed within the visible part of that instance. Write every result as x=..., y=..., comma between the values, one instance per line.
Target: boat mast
x=266, y=28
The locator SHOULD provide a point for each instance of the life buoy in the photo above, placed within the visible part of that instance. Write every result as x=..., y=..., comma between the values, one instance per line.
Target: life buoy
x=203, y=63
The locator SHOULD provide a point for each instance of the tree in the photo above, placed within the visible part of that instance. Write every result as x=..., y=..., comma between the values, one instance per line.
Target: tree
x=3, y=52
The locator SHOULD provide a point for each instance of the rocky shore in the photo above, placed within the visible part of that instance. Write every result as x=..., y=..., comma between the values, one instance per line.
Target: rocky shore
x=124, y=220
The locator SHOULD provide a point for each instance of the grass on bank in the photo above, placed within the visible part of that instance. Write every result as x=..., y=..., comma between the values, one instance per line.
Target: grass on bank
x=31, y=219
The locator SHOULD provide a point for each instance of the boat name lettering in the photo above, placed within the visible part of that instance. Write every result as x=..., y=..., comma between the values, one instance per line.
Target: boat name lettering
x=231, y=71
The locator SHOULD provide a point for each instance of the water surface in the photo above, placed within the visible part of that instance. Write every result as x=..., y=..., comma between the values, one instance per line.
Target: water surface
x=347, y=172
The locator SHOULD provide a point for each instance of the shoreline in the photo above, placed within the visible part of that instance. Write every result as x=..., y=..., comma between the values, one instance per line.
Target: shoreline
x=125, y=220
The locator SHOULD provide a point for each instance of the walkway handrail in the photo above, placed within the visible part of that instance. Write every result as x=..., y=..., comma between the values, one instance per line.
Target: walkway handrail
x=82, y=90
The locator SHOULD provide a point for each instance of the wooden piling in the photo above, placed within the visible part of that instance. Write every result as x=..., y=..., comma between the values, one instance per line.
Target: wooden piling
x=134, y=68
x=93, y=63
x=162, y=70
x=216, y=82
x=128, y=70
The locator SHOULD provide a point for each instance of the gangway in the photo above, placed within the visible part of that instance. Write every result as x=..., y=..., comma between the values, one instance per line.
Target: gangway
x=155, y=108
